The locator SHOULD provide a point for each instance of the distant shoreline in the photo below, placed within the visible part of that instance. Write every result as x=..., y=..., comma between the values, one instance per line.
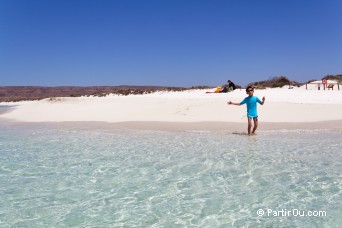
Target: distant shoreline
x=29, y=93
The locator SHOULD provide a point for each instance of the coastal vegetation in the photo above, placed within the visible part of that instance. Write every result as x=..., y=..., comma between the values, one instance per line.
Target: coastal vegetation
x=274, y=82
x=281, y=81
x=25, y=93
x=337, y=78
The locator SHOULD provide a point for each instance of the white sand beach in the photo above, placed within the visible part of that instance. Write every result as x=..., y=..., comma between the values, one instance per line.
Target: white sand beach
x=282, y=105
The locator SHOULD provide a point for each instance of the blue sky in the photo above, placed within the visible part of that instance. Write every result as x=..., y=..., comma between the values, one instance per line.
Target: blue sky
x=167, y=42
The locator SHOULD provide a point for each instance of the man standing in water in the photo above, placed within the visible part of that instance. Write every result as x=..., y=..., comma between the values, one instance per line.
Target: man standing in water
x=252, y=113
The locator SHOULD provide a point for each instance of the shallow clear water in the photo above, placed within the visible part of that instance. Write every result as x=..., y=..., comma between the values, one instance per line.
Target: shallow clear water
x=65, y=176
x=4, y=108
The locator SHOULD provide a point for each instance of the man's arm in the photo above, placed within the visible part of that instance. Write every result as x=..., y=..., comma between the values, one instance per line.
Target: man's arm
x=259, y=101
x=263, y=101
x=232, y=103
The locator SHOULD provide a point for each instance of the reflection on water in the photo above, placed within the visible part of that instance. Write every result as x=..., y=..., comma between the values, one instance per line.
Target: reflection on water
x=87, y=177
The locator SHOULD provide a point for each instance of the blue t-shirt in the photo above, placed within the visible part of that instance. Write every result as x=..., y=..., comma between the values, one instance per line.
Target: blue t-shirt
x=251, y=106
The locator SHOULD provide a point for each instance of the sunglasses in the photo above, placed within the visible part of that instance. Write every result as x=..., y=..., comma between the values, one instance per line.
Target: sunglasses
x=249, y=90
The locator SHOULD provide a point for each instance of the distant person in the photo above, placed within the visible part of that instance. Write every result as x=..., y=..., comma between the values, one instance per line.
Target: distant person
x=252, y=113
x=224, y=89
x=231, y=85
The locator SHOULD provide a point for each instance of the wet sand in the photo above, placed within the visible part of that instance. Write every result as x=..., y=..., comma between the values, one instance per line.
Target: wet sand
x=180, y=126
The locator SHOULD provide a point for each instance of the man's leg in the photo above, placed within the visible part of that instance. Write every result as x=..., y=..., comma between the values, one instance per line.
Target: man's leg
x=255, y=124
x=249, y=125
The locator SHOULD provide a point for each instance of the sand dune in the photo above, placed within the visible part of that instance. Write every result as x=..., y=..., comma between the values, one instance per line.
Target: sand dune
x=282, y=105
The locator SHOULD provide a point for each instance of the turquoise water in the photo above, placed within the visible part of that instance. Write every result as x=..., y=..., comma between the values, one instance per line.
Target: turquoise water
x=82, y=177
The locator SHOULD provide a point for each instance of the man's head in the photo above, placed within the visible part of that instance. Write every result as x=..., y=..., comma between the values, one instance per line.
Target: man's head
x=250, y=90
x=229, y=81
